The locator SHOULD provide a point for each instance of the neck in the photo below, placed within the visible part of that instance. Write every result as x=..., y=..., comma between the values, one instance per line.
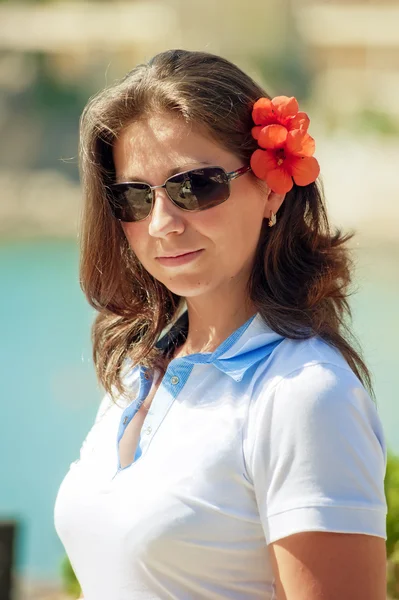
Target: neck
x=211, y=322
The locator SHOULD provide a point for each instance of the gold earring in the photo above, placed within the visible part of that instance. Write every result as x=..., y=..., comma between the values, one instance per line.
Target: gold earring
x=272, y=220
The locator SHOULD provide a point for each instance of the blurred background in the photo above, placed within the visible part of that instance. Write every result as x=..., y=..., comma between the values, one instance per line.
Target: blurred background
x=340, y=58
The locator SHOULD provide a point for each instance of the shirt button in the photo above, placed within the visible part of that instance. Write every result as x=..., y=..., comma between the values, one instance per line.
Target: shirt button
x=146, y=375
x=125, y=420
x=174, y=380
x=148, y=430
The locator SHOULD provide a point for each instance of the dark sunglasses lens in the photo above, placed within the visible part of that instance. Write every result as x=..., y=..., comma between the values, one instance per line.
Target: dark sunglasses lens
x=131, y=201
x=199, y=189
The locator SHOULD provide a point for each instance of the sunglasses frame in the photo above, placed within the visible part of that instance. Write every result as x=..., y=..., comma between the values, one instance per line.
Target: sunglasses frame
x=230, y=177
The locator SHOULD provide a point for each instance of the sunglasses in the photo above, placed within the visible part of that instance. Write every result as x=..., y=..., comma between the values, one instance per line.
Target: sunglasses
x=195, y=190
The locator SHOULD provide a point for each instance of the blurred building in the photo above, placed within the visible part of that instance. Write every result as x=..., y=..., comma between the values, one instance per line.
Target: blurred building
x=130, y=32
x=354, y=50
x=340, y=56
x=55, y=55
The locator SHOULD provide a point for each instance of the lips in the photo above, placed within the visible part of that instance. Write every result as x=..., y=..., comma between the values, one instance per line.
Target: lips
x=179, y=253
x=180, y=259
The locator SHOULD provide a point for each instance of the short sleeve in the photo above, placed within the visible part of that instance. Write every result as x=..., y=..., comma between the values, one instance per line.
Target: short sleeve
x=316, y=455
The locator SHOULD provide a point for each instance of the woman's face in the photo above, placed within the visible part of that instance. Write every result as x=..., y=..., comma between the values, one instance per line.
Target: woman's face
x=227, y=235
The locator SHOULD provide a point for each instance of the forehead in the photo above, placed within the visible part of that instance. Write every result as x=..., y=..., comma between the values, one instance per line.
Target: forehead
x=151, y=148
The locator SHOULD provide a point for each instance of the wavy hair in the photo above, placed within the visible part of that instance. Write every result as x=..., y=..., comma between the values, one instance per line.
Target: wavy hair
x=302, y=270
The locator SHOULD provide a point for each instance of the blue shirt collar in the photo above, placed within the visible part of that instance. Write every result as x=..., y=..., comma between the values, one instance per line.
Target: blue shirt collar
x=245, y=347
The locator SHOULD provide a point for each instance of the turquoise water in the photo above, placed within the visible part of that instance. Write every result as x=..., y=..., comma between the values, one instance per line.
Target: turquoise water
x=49, y=391
x=48, y=388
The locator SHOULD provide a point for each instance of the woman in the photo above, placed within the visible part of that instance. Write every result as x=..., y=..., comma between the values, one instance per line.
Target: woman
x=237, y=452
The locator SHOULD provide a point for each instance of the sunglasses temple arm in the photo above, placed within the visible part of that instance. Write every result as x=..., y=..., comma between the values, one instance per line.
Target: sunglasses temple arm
x=238, y=173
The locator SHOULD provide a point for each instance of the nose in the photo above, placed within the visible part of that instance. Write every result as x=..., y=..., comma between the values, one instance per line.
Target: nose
x=165, y=217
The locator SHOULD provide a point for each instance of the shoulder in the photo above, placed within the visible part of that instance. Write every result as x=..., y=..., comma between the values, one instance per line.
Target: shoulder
x=310, y=365
x=307, y=392
x=314, y=446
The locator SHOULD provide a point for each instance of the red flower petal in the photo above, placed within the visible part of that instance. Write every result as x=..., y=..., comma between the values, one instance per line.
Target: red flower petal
x=262, y=162
x=256, y=131
x=300, y=143
x=286, y=107
x=262, y=111
x=299, y=121
x=272, y=137
x=279, y=181
x=288, y=156
x=304, y=170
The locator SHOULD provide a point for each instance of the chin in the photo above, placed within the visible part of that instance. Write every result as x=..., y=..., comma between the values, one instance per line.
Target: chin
x=186, y=289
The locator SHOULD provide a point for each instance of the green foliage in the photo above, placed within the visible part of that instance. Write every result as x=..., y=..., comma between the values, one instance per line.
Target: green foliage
x=376, y=121
x=392, y=495
x=51, y=94
x=393, y=574
x=287, y=72
x=70, y=582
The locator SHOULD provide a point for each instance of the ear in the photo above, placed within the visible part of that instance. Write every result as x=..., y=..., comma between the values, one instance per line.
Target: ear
x=273, y=203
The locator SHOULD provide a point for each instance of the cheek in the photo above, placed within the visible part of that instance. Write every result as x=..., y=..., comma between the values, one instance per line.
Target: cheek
x=137, y=237
x=249, y=208
x=236, y=224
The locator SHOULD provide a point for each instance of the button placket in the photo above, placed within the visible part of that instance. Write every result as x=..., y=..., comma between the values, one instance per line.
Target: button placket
x=176, y=376
x=151, y=423
x=131, y=410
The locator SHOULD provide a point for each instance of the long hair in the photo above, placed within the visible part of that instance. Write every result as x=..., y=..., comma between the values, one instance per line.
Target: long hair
x=301, y=273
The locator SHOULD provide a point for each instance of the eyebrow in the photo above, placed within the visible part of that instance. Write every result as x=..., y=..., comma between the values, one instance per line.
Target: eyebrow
x=172, y=172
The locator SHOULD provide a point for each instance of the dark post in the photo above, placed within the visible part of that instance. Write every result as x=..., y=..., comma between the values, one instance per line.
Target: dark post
x=7, y=539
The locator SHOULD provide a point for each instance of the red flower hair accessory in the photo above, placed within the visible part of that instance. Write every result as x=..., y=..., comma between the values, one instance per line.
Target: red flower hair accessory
x=286, y=149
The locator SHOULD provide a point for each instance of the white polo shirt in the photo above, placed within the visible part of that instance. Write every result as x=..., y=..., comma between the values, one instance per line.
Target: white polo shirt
x=263, y=438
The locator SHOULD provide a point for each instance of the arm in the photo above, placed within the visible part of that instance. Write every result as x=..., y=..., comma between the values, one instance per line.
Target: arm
x=326, y=566
x=317, y=461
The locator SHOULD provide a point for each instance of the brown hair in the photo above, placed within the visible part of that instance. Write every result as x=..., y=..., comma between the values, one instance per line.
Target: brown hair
x=302, y=271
